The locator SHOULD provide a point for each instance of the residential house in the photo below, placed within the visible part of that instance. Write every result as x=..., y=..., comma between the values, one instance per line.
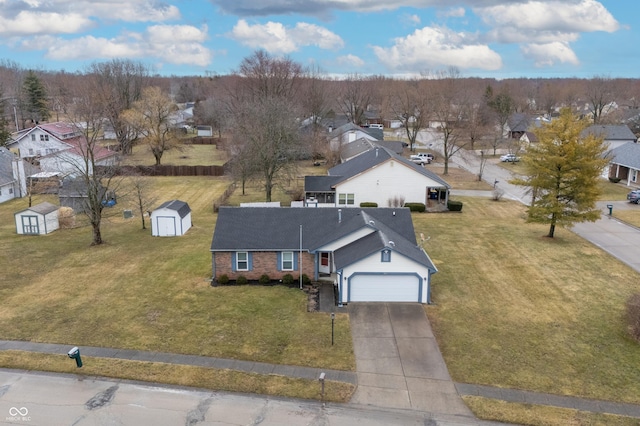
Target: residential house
x=614, y=135
x=59, y=147
x=376, y=176
x=350, y=132
x=625, y=163
x=370, y=254
x=12, y=176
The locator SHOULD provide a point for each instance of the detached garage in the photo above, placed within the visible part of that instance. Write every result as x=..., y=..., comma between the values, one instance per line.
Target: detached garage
x=172, y=218
x=40, y=219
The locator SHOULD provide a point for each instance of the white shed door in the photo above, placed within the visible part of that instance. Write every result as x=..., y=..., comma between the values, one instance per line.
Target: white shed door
x=166, y=226
x=384, y=288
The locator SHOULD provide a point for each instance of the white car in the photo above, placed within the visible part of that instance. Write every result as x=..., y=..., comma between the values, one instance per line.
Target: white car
x=421, y=158
x=509, y=158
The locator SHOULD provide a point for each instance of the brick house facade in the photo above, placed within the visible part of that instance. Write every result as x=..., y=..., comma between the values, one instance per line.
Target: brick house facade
x=261, y=262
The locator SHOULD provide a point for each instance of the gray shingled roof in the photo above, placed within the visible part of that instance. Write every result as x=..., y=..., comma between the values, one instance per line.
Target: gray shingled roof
x=627, y=155
x=610, y=132
x=374, y=157
x=6, y=168
x=42, y=208
x=320, y=183
x=181, y=207
x=275, y=229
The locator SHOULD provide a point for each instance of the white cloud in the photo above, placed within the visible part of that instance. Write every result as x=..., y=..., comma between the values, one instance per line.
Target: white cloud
x=179, y=44
x=276, y=38
x=412, y=20
x=435, y=47
x=454, y=12
x=548, y=54
x=350, y=61
x=28, y=23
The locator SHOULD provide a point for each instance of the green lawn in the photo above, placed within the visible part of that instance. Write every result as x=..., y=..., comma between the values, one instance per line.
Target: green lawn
x=516, y=309
x=185, y=155
x=148, y=293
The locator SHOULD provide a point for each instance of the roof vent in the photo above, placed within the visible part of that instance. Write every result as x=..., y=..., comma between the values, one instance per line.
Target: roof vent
x=339, y=215
x=392, y=244
x=372, y=223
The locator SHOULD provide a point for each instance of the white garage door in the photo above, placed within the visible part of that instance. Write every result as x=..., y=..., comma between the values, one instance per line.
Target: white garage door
x=166, y=226
x=384, y=288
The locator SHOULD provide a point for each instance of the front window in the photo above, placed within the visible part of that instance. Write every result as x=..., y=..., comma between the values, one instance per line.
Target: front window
x=346, y=199
x=634, y=176
x=242, y=261
x=287, y=261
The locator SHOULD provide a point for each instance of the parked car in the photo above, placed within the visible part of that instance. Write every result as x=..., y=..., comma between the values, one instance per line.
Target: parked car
x=509, y=158
x=634, y=196
x=422, y=158
x=376, y=126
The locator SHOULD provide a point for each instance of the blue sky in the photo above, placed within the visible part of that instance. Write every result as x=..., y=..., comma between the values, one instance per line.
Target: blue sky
x=402, y=38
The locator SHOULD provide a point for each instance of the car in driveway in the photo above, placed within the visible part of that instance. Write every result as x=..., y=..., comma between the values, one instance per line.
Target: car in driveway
x=422, y=158
x=634, y=196
x=509, y=158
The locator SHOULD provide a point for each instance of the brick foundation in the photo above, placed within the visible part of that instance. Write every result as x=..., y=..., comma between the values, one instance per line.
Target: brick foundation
x=263, y=263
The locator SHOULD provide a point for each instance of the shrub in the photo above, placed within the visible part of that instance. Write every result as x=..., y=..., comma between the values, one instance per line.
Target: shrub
x=264, y=279
x=241, y=280
x=416, y=207
x=454, y=206
x=287, y=279
x=223, y=279
x=368, y=204
x=497, y=194
x=633, y=315
x=614, y=179
x=305, y=279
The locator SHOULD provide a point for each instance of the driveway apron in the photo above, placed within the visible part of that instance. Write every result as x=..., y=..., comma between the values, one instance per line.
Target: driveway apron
x=398, y=362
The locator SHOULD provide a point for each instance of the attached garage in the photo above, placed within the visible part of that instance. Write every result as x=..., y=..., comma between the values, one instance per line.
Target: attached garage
x=386, y=287
x=171, y=219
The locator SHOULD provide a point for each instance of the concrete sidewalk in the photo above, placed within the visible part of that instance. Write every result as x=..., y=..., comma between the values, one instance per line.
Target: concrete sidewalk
x=510, y=395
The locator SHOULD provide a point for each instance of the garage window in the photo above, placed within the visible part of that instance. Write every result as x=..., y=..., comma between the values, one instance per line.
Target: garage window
x=386, y=256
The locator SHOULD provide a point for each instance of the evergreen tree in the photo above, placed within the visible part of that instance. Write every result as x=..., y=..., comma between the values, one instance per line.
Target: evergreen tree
x=562, y=173
x=35, y=98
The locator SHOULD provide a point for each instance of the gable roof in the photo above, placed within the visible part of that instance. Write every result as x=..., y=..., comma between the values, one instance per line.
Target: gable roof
x=42, y=208
x=278, y=229
x=181, y=207
x=610, y=132
x=627, y=155
x=376, y=134
x=373, y=157
x=320, y=183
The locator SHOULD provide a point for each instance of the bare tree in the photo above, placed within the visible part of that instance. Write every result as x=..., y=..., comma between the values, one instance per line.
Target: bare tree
x=600, y=94
x=269, y=77
x=214, y=112
x=119, y=84
x=482, y=165
x=150, y=117
x=354, y=99
x=410, y=104
x=141, y=187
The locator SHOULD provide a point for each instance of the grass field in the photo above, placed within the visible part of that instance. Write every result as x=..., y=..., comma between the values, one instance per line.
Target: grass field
x=516, y=309
x=141, y=292
x=185, y=155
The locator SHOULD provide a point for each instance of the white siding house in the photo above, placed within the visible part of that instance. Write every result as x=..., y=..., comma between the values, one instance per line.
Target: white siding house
x=37, y=220
x=172, y=218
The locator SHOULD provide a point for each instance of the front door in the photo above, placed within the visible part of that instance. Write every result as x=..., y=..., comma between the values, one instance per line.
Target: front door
x=30, y=225
x=325, y=263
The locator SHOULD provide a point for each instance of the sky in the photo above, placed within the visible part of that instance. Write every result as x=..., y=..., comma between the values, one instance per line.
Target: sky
x=396, y=38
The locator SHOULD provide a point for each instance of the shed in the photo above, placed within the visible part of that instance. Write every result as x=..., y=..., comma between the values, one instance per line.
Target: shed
x=172, y=218
x=37, y=220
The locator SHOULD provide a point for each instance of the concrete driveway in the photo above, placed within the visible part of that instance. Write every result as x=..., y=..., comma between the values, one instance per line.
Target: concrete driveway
x=398, y=361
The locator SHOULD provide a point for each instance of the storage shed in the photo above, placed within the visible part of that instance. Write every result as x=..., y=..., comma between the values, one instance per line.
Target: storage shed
x=37, y=220
x=172, y=218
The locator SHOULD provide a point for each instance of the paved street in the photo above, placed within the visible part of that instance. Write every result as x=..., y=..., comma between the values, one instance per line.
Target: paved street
x=65, y=400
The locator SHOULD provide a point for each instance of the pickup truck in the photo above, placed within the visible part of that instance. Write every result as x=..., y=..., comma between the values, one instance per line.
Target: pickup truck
x=422, y=158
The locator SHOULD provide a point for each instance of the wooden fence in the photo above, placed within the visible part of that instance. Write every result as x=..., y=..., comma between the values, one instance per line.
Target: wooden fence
x=168, y=170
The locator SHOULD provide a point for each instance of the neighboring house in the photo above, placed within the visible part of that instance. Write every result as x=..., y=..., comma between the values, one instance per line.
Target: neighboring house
x=370, y=254
x=73, y=193
x=172, y=218
x=625, y=163
x=13, y=181
x=528, y=138
x=379, y=176
x=350, y=132
x=59, y=147
x=614, y=135
x=518, y=124
x=37, y=220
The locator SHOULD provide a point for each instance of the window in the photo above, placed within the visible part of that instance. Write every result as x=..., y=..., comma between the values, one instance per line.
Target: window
x=287, y=261
x=634, y=175
x=10, y=191
x=346, y=199
x=386, y=255
x=44, y=138
x=33, y=137
x=242, y=261
x=30, y=151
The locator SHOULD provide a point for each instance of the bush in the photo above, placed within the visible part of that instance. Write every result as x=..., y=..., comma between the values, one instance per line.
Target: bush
x=264, y=279
x=287, y=279
x=223, y=279
x=454, y=206
x=633, y=316
x=368, y=204
x=614, y=179
x=241, y=280
x=416, y=207
x=305, y=279
x=497, y=194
